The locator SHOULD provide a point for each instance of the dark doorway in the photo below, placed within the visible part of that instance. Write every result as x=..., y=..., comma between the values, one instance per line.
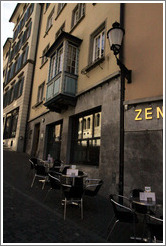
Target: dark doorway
x=54, y=137
x=36, y=140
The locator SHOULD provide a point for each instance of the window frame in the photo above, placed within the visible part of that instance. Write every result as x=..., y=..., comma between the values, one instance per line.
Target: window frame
x=60, y=7
x=79, y=128
x=80, y=10
x=71, y=59
x=40, y=93
x=44, y=58
x=100, y=29
x=50, y=20
x=10, y=131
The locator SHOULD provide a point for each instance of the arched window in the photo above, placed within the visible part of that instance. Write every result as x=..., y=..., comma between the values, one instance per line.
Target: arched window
x=88, y=123
x=84, y=124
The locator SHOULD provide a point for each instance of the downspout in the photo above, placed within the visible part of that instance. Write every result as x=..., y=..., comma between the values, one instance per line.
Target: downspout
x=41, y=12
x=122, y=96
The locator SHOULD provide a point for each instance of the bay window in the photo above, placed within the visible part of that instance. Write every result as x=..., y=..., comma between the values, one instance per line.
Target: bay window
x=63, y=72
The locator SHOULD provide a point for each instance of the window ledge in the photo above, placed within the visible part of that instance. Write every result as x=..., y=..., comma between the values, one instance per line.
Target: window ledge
x=38, y=103
x=43, y=64
x=92, y=65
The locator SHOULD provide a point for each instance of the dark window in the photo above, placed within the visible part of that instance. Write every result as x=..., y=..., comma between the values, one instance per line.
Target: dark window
x=60, y=7
x=40, y=93
x=62, y=28
x=44, y=58
x=18, y=88
x=11, y=94
x=12, y=70
x=54, y=132
x=31, y=7
x=50, y=20
x=11, y=124
x=25, y=55
x=47, y=5
x=7, y=126
x=86, y=139
x=78, y=13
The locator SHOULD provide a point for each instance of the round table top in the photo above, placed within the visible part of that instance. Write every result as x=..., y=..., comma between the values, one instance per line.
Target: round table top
x=143, y=202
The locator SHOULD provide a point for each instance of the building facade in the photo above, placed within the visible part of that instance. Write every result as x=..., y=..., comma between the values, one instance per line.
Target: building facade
x=6, y=52
x=75, y=104
x=19, y=74
x=143, y=105
x=82, y=111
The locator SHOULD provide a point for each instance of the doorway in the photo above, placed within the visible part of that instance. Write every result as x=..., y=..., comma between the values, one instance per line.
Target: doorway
x=54, y=137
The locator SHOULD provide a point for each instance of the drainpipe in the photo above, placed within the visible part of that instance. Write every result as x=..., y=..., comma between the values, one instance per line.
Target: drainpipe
x=122, y=96
x=33, y=72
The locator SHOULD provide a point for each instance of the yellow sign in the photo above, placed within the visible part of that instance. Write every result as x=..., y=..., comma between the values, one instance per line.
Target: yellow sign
x=149, y=113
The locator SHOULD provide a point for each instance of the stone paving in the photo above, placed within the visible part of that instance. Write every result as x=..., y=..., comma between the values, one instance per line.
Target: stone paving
x=30, y=218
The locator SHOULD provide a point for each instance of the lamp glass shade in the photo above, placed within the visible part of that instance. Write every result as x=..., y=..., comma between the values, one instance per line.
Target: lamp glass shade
x=115, y=36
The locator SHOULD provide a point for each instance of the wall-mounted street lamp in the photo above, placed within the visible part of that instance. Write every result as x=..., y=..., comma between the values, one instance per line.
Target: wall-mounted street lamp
x=115, y=37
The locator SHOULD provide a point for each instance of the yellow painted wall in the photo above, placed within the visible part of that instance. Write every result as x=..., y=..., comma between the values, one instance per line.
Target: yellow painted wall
x=94, y=17
x=143, y=49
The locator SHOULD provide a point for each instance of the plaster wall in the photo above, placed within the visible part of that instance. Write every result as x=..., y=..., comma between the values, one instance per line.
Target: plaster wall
x=108, y=97
x=102, y=11
x=143, y=164
x=143, y=49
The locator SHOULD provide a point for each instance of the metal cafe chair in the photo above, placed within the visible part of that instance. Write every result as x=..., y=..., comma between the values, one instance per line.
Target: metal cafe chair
x=92, y=186
x=54, y=182
x=40, y=172
x=32, y=161
x=155, y=228
x=73, y=194
x=122, y=213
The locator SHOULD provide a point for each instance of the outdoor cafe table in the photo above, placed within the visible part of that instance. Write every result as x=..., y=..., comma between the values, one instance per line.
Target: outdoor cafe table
x=149, y=205
x=74, y=177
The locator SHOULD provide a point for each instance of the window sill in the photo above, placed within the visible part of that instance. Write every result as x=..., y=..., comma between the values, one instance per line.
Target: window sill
x=43, y=64
x=38, y=103
x=92, y=65
x=73, y=27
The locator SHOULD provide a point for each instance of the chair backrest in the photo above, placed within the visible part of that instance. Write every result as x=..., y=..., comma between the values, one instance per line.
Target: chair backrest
x=54, y=181
x=40, y=170
x=117, y=204
x=155, y=226
x=33, y=162
x=70, y=190
x=93, y=186
x=138, y=208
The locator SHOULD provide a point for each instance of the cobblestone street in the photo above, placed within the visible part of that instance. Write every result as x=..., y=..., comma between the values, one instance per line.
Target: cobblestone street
x=29, y=218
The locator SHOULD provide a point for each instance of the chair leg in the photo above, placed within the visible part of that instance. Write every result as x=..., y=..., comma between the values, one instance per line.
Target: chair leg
x=43, y=184
x=112, y=229
x=81, y=208
x=47, y=194
x=144, y=224
x=65, y=208
x=111, y=222
x=33, y=180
